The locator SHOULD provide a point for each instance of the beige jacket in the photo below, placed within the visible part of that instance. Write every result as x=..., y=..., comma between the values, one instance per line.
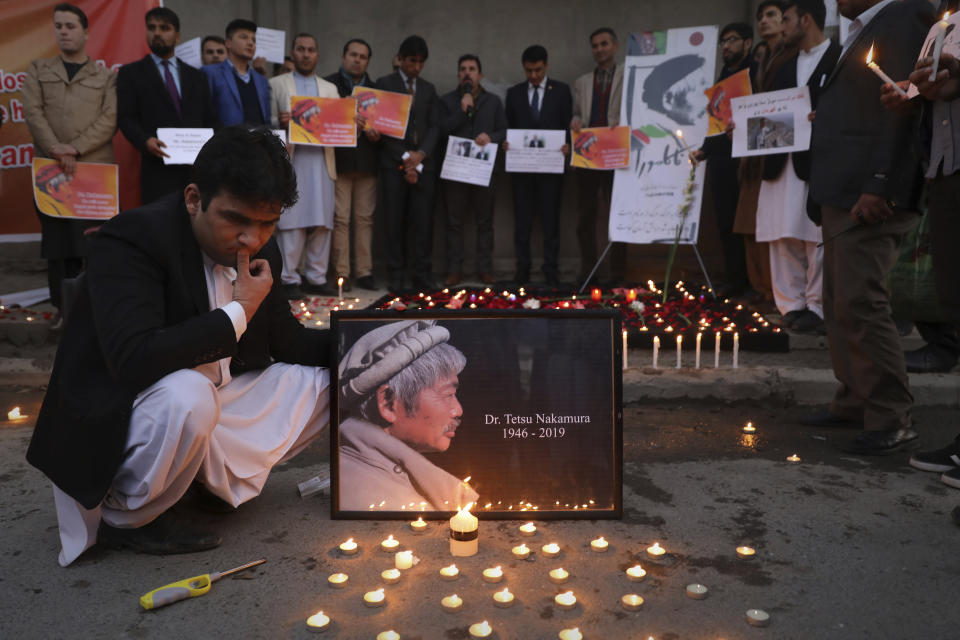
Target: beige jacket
x=583, y=97
x=81, y=112
x=282, y=88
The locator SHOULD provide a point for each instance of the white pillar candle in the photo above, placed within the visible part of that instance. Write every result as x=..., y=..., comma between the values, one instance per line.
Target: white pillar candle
x=938, y=45
x=624, y=348
x=452, y=603
x=873, y=66
x=656, y=350
x=464, y=533
x=716, y=350
x=699, y=338
x=679, y=350
x=318, y=622
x=736, y=350
x=340, y=288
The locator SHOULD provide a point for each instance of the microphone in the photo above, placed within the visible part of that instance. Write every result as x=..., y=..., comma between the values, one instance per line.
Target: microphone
x=468, y=88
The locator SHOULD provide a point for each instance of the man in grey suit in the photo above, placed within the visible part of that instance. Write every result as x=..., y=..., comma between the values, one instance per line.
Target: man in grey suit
x=408, y=169
x=865, y=175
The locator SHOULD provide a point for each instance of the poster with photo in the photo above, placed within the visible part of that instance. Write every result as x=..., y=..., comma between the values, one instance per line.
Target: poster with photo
x=466, y=161
x=385, y=111
x=91, y=194
x=771, y=122
x=517, y=412
x=535, y=150
x=719, y=96
x=601, y=148
x=328, y=122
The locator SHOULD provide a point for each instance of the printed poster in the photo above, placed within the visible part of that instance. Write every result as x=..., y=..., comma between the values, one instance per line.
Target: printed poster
x=601, y=148
x=92, y=193
x=385, y=111
x=771, y=122
x=183, y=144
x=271, y=44
x=189, y=52
x=328, y=122
x=664, y=88
x=718, y=100
x=535, y=150
x=466, y=161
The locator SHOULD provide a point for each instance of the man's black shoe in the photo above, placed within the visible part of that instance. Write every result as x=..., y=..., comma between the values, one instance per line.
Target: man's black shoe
x=880, y=443
x=396, y=284
x=206, y=500
x=823, y=418
x=367, y=282
x=325, y=289
x=167, y=535
x=941, y=460
x=809, y=322
x=522, y=276
x=956, y=515
x=424, y=284
x=928, y=360
x=790, y=317
x=291, y=291
x=551, y=279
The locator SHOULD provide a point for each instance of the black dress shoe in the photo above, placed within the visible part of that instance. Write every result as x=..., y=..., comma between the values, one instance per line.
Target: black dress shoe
x=167, y=535
x=809, y=323
x=367, y=282
x=325, y=289
x=205, y=500
x=926, y=359
x=880, y=443
x=551, y=279
x=396, y=284
x=424, y=283
x=823, y=418
x=956, y=515
x=522, y=276
x=790, y=317
x=291, y=291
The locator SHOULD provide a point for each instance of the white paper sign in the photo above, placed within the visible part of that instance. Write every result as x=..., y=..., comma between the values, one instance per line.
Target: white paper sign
x=466, y=161
x=271, y=44
x=771, y=122
x=535, y=150
x=183, y=145
x=663, y=91
x=189, y=52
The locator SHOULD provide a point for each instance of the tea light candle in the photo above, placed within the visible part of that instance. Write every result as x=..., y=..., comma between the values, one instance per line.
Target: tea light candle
x=375, y=598
x=559, y=576
x=679, y=350
x=655, y=550
x=520, y=552
x=596, y=295
x=464, y=533
x=480, y=630
x=403, y=559
x=636, y=573
x=418, y=525
x=391, y=576
x=716, y=350
x=318, y=622
x=794, y=458
x=565, y=600
x=14, y=414
x=697, y=591
x=746, y=553
x=631, y=602
x=749, y=428
x=349, y=547
x=528, y=529
x=551, y=550
x=570, y=634
x=631, y=295
x=758, y=617
x=388, y=635
x=493, y=574
x=452, y=603
x=338, y=580
x=390, y=544
x=450, y=573
x=503, y=599
x=656, y=350
x=599, y=545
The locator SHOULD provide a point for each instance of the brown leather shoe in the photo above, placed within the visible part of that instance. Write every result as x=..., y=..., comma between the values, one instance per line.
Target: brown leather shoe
x=452, y=279
x=487, y=278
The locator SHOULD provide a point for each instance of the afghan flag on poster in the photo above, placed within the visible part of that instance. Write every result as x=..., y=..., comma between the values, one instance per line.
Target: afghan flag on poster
x=91, y=194
x=718, y=100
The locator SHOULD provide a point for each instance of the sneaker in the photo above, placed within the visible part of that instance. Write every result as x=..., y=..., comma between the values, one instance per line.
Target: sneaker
x=951, y=478
x=941, y=460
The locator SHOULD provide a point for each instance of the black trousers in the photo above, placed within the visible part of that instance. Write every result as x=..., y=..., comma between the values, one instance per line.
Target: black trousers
x=536, y=193
x=408, y=208
x=943, y=198
x=594, y=189
x=722, y=173
x=462, y=199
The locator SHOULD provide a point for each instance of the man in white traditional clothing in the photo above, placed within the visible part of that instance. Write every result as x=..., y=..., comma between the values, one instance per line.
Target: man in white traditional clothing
x=308, y=226
x=398, y=389
x=796, y=262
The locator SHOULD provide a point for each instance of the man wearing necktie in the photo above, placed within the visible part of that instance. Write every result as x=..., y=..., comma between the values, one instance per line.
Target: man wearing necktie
x=161, y=91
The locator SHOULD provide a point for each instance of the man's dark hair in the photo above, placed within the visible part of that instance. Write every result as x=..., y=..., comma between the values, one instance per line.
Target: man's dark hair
x=74, y=9
x=216, y=39
x=470, y=56
x=813, y=8
x=742, y=29
x=303, y=34
x=413, y=46
x=769, y=3
x=534, y=53
x=251, y=165
x=238, y=24
x=596, y=32
x=163, y=14
x=361, y=41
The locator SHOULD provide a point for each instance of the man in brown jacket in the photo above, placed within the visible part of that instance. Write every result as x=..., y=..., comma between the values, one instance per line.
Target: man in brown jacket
x=70, y=105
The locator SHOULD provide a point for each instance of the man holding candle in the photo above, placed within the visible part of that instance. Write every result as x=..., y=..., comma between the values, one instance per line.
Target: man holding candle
x=865, y=177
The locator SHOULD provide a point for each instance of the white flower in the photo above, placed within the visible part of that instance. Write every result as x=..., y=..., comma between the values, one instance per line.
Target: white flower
x=637, y=306
x=532, y=303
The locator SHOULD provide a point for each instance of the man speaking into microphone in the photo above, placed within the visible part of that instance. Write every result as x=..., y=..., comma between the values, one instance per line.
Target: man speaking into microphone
x=472, y=113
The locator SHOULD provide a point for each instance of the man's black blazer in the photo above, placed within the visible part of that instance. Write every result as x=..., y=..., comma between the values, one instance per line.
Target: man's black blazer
x=143, y=313
x=786, y=78
x=556, y=107
x=144, y=105
x=423, y=127
x=858, y=146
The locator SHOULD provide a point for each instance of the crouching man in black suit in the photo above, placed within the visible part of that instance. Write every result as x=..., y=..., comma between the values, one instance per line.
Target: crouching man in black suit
x=181, y=361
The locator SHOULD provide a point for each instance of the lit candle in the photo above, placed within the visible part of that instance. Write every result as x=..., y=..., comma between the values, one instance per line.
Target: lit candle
x=349, y=547
x=596, y=295
x=559, y=575
x=746, y=553
x=565, y=600
x=624, y=349
x=493, y=574
x=340, y=288
x=374, y=598
x=570, y=634
x=404, y=560
x=464, y=533
x=599, y=545
x=636, y=573
x=793, y=459
x=520, y=552
x=749, y=428
x=480, y=630
x=418, y=525
x=631, y=295
x=503, y=599
x=551, y=550
x=388, y=635
x=14, y=414
x=716, y=350
x=391, y=576
x=631, y=602
x=655, y=550
x=450, y=573
x=697, y=591
x=880, y=74
x=758, y=617
x=938, y=46
x=338, y=580
x=656, y=350
x=390, y=544
x=318, y=622
x=528, y=529
x=736, y=350
x=679, y=350
x=452, y=603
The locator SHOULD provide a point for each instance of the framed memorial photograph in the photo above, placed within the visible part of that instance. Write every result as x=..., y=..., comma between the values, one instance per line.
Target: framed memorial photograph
x=518, y=412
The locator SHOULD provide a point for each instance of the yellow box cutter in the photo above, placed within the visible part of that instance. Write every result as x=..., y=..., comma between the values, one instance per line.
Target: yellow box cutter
x=189, y=588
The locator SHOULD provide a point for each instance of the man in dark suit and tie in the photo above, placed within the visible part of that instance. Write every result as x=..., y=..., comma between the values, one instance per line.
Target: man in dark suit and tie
x=240, y=93
x=538, y=103
x=865, y=175
x=181, y=361
x=161, y=91
x=408, y=169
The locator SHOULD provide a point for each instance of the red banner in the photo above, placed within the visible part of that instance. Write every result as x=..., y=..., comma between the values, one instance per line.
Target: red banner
x=116, y=36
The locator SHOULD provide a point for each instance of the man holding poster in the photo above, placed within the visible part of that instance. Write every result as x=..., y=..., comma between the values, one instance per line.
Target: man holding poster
x=307, y=226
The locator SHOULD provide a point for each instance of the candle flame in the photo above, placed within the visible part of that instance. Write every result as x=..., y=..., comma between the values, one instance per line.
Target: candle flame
x=680, y=133
x=466, y=480
x=946, y=15
x=870, y=55
x=505, y=590
x=14, y=414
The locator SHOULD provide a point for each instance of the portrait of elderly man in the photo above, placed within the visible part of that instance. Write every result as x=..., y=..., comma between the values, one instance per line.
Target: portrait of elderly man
x=398, y=400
